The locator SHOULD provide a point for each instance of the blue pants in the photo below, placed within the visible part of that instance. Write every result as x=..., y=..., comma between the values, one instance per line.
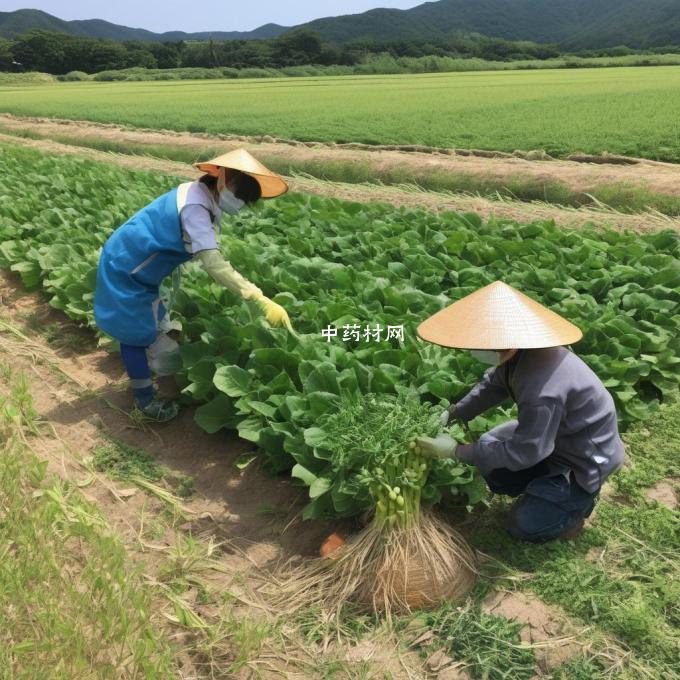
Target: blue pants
x=551, y=504
x=137, y=367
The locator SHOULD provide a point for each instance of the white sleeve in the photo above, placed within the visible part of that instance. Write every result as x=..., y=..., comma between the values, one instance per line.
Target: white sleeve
x=198, y=228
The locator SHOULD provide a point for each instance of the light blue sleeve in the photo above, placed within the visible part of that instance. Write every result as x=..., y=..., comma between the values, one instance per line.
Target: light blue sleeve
x=198, y=228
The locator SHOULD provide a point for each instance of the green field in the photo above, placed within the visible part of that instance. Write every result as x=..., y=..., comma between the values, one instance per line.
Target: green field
x=621, y=110
x=330, y=263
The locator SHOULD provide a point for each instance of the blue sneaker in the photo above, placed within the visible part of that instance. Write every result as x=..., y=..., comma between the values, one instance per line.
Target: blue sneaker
x=160, y=410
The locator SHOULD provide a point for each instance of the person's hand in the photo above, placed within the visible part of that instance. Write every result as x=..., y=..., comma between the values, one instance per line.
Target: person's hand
x=275, y=314
x=447, y=416
x=464, y=452
x=442, y=446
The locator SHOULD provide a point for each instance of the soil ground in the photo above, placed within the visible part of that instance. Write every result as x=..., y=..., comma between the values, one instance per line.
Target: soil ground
x=664, y=493
x=248, y=509
x=542, y=624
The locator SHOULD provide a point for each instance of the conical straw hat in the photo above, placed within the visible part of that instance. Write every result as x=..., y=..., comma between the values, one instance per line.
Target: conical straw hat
x=498, y=317
x=272, y=185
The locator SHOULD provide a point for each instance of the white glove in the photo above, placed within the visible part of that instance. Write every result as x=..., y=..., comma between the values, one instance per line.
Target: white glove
x=442, y=446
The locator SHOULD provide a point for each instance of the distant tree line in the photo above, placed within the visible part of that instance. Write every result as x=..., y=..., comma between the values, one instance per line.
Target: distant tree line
x=58, y=53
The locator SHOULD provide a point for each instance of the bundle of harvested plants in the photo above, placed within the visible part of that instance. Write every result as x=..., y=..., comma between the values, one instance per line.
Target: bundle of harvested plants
x=406, y=556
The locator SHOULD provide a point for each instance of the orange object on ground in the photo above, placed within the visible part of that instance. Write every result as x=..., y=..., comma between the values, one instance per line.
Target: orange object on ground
x=331, y=544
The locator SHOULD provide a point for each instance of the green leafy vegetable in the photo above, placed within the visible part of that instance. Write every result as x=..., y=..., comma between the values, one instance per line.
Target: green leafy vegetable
x=339, y=263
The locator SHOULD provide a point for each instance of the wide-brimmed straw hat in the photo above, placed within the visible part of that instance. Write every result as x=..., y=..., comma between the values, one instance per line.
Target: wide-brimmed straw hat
x=498, y=317
x=271, y=184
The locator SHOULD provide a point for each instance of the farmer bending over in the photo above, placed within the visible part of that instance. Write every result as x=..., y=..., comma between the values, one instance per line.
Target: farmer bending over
x=180, y=225
x=565, y=442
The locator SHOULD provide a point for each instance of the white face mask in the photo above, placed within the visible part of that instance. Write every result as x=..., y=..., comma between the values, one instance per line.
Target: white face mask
x=486, y=356
x=229, y=203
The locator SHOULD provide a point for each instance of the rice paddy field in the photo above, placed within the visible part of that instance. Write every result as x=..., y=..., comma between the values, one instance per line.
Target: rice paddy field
x=630, y=111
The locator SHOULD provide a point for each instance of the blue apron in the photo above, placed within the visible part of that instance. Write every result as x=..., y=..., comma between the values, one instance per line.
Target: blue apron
x=134, y=261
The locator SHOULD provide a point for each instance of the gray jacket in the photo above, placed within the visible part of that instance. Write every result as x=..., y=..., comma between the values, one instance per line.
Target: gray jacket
x=565, y=415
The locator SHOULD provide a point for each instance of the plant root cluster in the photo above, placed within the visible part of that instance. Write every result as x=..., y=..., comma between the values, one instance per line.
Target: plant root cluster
x=384, y=569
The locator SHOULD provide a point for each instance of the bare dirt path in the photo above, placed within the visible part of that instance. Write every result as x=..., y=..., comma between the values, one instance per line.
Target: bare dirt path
x=248, y=509
x=662, y=178
x=397, y=196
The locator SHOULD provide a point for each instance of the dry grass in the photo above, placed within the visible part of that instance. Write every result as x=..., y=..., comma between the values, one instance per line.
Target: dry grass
x=386, y=571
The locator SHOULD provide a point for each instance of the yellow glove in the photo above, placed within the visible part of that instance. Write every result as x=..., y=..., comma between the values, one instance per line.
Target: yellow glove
x=224, y=273
x=275, y=314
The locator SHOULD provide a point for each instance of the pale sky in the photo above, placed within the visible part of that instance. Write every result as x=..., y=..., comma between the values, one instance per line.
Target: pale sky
x=202, y=15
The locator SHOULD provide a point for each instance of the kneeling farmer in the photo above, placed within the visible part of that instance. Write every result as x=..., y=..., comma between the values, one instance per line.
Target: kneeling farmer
x=565, y=442
x=175, y=228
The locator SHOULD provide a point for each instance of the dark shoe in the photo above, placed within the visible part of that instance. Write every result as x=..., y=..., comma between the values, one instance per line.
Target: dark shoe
x=572, y=533
x=160, y=410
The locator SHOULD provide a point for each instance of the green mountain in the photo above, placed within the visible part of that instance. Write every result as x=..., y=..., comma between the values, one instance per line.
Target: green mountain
x=21, y=21
x=571, y=23
x=574, y=24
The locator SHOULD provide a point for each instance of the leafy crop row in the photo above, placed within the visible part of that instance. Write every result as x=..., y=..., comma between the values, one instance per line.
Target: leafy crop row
x=337, y=263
